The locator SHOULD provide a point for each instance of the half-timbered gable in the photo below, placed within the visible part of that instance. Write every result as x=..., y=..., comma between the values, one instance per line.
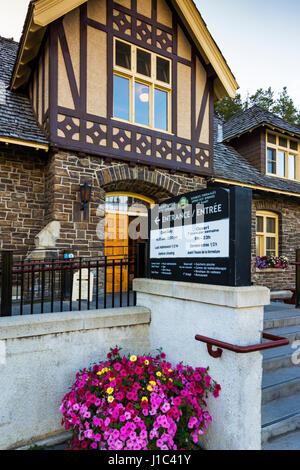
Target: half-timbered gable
x=124, y=80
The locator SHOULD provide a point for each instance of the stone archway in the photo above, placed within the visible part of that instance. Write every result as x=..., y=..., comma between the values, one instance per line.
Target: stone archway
x=153, y=184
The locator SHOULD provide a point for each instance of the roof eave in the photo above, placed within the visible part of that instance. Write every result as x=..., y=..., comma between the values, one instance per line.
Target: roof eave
x=40, y=14
x=254, y=186
x=262, y=124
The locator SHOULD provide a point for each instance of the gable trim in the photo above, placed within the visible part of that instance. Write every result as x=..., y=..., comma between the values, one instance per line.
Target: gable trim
x=43, y=12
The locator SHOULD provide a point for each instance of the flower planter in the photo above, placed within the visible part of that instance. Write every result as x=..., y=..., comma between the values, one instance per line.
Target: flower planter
x=268, y=263
x=138, y=403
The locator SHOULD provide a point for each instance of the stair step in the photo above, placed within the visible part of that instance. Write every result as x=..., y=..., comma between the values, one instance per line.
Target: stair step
x=290, y=332
x=278, y=358
x=280, y=383
x=289, y=442
x=280, y=315
x=281, y=319
x=280, y=417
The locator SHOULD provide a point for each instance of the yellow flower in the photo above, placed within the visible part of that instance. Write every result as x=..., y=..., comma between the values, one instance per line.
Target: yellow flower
x=109, y=390
x=110, y=399
x=146, y=362
x=133, y=358
x=152, y=383
x=144, y=399
x=149, y=388
x=158, y=374
x=170, y=370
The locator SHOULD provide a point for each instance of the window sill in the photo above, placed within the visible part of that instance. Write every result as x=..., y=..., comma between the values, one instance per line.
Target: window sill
x=270, y=270
x=154, y=129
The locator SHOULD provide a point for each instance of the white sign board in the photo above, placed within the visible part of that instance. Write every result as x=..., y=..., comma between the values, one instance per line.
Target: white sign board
x=84, y=285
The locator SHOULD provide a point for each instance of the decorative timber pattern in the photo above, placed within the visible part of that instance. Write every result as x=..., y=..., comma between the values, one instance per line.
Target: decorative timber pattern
x=80, y=88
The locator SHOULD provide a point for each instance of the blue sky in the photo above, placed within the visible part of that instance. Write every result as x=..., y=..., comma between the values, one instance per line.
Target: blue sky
x=260, y=39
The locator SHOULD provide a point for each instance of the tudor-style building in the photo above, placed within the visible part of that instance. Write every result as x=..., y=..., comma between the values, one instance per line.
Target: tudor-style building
x=259, y=150
x=118, y=95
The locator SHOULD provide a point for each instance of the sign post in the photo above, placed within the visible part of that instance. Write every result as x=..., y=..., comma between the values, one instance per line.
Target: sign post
x=203, y=237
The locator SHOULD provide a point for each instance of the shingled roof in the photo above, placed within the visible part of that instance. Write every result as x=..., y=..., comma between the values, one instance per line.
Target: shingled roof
x=230, y=165
x=17, y=120
x=254, y=117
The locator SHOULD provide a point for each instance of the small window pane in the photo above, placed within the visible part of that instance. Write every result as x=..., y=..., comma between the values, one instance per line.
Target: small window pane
x=259, y=241
x=270, y=246
x=141, y=104
x=259, y=224
x=272, y=138
x=144, y=63
x=121, y=97
x=162, y=70
x=280, y=163
x=160, y=109
x=272, y=161
x=282, y=142
x=293, y=145
x=123, y=55
x=271, y=225
x=291, y=167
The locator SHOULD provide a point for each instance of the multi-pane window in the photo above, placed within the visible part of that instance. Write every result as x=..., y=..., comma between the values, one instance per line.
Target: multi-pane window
x=142, y=86
x=282, y=156
x=266, y=233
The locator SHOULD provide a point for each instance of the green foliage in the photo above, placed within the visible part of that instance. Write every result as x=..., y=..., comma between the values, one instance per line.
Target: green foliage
x=228, y=107
x=283, y=106
x=263, y=98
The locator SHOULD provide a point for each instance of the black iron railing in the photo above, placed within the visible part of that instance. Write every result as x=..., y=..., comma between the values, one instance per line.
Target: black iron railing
x=31, y=286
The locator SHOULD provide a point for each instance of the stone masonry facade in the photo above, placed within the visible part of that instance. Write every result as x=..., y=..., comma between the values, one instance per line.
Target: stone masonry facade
x=288, y=210
x=37, y=188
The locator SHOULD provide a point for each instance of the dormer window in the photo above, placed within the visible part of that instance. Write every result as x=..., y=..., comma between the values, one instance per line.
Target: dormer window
x=142, y=87
x=282, y=156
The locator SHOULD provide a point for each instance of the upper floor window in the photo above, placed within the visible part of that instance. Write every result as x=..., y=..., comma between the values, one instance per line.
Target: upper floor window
x=142, y=86
x=266, y=233
x=282, y=156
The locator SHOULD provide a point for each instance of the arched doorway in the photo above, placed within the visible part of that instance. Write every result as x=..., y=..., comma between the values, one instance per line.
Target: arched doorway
x=126, y=225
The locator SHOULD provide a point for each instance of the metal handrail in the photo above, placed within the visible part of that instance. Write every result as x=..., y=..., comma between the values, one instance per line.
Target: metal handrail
x=275, y=342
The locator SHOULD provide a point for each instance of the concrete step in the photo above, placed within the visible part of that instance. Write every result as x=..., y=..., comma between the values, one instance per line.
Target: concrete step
x=278, y=358
x=289, y=442
x=290, y=332
x=281, y=321
x=280, y=417
x=280, y=383
x=280, y=315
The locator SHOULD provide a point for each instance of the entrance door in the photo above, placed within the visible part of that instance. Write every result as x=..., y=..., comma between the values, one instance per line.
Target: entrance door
x=122, y=209
x=116, y=252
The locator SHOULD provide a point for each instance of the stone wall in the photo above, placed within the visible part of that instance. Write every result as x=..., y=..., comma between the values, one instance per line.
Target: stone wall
x=288, y=210
x=22, y=201
x=66, y=172
x=37, y=188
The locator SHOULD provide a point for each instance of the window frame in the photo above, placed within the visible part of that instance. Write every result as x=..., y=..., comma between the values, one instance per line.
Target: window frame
x=287, y=151
x=264, y=234
x=133, y=76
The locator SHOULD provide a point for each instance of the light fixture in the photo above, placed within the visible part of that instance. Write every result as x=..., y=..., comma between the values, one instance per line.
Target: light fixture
x=85, y=196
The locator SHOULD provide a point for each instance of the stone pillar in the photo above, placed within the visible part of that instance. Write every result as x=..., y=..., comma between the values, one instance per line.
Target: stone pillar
x=234, y=315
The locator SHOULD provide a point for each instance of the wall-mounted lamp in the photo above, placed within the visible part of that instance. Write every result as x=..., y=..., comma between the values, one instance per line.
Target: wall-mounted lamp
x=85, y=196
